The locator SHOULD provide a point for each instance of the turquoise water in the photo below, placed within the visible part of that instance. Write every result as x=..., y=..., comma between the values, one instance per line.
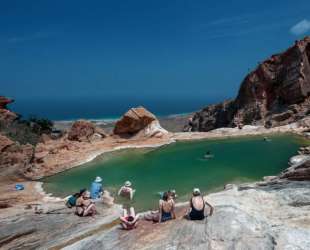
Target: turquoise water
x=180, y=166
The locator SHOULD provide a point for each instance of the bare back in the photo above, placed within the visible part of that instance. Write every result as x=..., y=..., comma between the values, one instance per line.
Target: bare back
x=167, y=206
x=198, y=202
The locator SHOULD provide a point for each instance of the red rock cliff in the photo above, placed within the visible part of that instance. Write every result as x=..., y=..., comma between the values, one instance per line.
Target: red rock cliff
x=275, y=93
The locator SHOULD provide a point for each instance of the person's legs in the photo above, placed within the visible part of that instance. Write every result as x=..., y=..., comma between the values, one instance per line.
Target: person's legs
x=132, y=212
x=125, y=215
x=90, y=210
x=93, y=209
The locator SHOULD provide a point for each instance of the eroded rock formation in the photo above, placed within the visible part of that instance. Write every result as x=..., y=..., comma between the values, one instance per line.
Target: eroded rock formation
x=139, y=122
x=300, y=166
x=15, y=159
x=275, y=93
x=6, y=116
x=85, y=131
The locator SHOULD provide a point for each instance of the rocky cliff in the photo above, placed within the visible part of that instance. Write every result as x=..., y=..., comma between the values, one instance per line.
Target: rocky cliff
x=275, y=93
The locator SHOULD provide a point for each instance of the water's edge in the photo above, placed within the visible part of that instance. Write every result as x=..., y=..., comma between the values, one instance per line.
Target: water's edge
x=49, y=196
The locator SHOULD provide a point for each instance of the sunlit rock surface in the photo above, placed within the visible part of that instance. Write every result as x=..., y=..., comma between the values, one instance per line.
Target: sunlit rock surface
x=139, y=122
x=274, y=216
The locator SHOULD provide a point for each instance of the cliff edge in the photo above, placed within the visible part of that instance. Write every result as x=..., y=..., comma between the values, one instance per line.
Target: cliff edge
x=276, y=93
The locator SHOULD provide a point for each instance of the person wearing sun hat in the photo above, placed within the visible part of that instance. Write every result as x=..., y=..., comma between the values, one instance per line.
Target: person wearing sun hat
x=96, y=189
x=126, y=190
x=197, y=206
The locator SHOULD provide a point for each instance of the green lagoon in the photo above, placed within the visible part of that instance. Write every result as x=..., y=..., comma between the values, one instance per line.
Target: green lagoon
x=180, y=166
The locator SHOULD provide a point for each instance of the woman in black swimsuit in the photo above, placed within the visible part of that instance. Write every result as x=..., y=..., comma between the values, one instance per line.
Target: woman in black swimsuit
x=197, y=206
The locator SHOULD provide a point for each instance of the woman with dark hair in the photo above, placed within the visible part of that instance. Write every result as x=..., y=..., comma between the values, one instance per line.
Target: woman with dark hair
x=166, y=208
x=84, y=205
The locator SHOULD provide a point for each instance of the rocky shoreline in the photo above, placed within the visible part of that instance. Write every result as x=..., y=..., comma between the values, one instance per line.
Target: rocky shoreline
x=23, y=206
x=270, y=214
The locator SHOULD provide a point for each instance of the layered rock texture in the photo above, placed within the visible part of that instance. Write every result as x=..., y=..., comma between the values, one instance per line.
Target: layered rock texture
x=275, y=93
x=15, y=158
x=139, y=122
x=300, y=166
x=246, y=217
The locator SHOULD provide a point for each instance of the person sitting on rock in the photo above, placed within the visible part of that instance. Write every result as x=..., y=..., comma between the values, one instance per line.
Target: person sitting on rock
x=130, y=221
x=85, y=206
x=96, y=189
x=71, y=201
x=166, y=208
x=197, y=206
x=126, y=190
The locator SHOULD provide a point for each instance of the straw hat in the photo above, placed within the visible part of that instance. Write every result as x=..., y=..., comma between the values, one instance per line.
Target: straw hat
x=98, y=179
x=196, y=191
x=127, y=184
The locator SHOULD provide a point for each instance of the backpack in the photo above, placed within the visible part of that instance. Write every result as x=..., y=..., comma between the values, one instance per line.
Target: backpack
x=71, y=202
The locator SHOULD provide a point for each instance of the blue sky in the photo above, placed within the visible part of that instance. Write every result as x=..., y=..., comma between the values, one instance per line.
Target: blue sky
x=132, y=48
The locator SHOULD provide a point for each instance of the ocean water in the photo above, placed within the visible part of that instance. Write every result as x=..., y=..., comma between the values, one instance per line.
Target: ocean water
x=180, y=166
x=105, y=107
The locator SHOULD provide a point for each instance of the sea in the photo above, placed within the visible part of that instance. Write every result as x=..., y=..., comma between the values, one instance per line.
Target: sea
x=105, y=108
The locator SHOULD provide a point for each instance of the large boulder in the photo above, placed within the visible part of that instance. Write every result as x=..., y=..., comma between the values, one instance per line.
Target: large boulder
x=139, y=122
x=85, y=131
x=276, y=93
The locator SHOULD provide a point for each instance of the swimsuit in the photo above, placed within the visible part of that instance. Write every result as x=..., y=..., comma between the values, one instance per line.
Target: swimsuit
x=165, y=216
x=197, y=214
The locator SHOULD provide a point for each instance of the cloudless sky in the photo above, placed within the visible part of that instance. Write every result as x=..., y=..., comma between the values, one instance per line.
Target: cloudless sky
x=139, y=47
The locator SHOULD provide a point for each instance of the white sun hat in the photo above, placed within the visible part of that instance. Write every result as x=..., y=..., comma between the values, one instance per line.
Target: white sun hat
x=98, y=179
x=127, y=184
x=196, y=191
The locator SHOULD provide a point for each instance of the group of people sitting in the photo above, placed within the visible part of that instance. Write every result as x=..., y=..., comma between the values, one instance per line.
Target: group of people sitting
x=166, y=209
x=84, y=201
